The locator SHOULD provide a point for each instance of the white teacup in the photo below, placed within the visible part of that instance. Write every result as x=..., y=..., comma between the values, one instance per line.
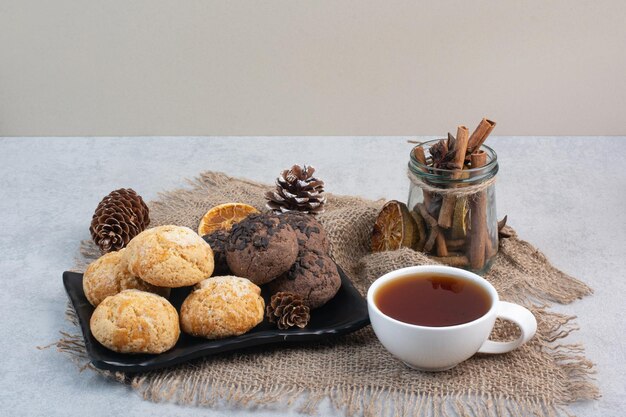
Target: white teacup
x=440, y=348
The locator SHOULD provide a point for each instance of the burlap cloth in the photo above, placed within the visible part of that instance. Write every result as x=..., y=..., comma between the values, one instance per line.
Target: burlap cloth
x=355, y=372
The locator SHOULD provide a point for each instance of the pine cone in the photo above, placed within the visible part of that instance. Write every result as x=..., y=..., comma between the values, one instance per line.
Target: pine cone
x=119, y=217
x=297, y=190
x=287, y=310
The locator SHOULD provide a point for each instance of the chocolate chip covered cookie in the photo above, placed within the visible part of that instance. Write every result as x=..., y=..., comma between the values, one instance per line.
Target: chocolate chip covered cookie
x=261, y=247
x=218, y=240
x=314, y=276
x=310, y=233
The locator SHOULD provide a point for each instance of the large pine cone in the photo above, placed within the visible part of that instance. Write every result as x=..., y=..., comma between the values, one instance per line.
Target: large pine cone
x=297, y=190
x=287, y=310
x=119, y=217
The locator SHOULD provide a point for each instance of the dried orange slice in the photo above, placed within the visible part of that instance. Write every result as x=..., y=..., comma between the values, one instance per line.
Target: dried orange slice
x=394, y=228
x=459, y=224
x=223, y=217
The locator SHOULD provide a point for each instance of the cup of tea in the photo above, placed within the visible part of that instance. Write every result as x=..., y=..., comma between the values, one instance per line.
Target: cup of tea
x=434, y=317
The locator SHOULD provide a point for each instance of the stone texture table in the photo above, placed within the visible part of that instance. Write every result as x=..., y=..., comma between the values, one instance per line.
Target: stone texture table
x=565, y=195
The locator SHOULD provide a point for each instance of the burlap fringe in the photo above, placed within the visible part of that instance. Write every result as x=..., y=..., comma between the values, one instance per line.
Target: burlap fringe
x=557, y=286
x=366, y=401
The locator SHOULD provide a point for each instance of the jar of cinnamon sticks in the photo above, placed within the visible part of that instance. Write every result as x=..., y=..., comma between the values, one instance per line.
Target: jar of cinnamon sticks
x=452, y=194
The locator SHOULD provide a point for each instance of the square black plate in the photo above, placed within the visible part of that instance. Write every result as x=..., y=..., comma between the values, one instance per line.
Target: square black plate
x=345, y=313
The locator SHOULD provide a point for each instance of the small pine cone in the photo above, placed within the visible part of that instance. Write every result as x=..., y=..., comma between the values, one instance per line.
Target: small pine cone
x=287, y=310
x=119, y=217
x=297, y=190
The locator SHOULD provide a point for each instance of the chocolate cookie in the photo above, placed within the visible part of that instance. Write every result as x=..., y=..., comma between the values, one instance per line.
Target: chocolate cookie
x=310, y=233
x=261, y=247
x=314, y=276
x=218, y=240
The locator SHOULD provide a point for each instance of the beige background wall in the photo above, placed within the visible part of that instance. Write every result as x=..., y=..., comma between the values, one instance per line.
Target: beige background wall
x=201, y=67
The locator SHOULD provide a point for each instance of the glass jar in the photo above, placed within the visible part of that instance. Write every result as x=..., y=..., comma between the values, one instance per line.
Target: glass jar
x=456, y=210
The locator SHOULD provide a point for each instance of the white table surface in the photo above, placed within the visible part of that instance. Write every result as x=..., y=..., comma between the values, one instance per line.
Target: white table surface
x=566, y=195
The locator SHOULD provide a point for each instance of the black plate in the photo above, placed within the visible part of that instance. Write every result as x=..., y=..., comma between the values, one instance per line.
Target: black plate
x=345, y=313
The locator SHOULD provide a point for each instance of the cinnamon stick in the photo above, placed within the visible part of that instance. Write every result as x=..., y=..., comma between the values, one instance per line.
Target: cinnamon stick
x=446, y=212
x=480, y=134
x=432, y=222
x=440, y=245
x=433, y=231
x=458, y=261
x=491, y=249
x=420, y=156
x=432, y=238
x=478, y=218
x=455, y=244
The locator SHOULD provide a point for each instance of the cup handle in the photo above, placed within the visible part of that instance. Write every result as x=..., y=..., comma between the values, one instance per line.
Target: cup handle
x=518, y=315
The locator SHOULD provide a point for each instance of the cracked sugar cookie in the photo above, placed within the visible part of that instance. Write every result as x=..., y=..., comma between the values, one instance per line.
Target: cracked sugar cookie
x=169, y=256
x=135, y=321
x=221, y=307
x=109, y=275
